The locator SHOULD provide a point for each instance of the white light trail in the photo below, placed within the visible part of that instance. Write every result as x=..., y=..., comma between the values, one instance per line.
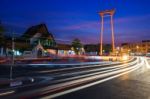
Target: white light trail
x=108, y=76
x=146, y=62
x=47, y=71
x=98, y=71
x=6, y=93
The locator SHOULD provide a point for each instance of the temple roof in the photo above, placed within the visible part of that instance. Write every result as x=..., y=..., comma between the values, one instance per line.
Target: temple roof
x=41, y=28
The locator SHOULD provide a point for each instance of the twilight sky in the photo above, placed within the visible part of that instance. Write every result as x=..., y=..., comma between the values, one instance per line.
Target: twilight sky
x=69, y=19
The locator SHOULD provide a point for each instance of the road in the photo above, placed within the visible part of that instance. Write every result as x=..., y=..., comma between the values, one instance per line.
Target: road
x=134, y=85
x=78, y=81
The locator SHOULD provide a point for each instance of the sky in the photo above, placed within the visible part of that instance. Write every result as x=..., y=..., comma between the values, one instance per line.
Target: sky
x=69, y=19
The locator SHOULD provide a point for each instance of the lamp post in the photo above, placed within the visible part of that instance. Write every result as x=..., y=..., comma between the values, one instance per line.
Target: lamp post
x=13, y=57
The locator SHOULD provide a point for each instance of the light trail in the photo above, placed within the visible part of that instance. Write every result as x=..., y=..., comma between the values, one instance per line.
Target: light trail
x=146, y=63
x=96, y=71
x=114, y=68
x=7, y=93
x=117, y=74
x=87, y=77
x=69, y=68
x=87, y=85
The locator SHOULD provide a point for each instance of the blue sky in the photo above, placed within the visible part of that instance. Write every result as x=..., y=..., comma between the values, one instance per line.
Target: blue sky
x=69, y=19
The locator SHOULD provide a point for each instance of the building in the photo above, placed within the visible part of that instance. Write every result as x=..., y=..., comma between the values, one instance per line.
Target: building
x=36, y=39
x=40, y=40
x=93, y=49
x=137, y=48
x=39, y=33
x=65, y=50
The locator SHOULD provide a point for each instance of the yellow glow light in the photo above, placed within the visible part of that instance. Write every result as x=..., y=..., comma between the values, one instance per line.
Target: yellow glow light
x=125, y=57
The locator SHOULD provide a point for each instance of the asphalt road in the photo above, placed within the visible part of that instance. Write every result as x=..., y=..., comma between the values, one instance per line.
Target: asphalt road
x=88, y=82
x=134, y=85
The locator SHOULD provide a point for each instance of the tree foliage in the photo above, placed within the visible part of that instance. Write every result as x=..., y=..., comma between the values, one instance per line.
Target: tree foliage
x=77, y=45
x=2, y=39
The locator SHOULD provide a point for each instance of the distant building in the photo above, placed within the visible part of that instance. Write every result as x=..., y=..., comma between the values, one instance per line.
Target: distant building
x=65, y=50
x=93, y=49
x=138, y=48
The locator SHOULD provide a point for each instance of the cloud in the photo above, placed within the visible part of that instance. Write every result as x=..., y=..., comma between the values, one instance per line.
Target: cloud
x=83, y=26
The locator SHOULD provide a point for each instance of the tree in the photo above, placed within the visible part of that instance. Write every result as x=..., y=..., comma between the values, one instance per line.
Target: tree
x=77, y=45
x=2, y=39
x=107, y=48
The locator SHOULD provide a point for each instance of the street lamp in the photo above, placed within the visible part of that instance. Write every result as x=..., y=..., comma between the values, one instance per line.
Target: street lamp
x=137, y=47
x=129, y=51
x=13, y=57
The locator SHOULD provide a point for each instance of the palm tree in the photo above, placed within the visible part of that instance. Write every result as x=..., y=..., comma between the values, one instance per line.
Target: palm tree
x=76, y=44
